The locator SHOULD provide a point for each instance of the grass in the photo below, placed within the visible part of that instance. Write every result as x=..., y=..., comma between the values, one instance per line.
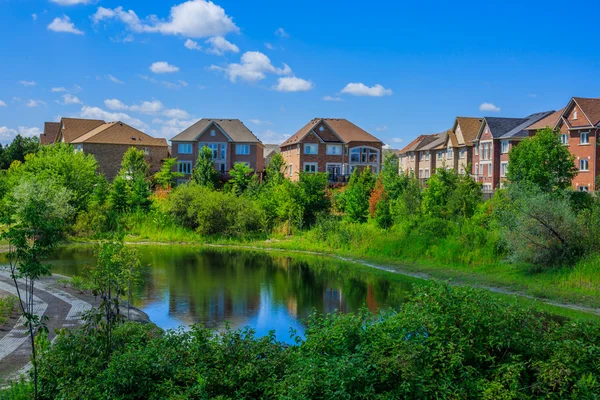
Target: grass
x=20, y=390
x=7, y=305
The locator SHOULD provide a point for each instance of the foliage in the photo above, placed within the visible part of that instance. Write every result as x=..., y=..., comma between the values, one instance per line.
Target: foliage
x=204, y=172
x=134, y=165
x=166, y=177
x=276, y=169
x=542, y=161
x=357, y=195
x=444, y=343
x=376, y=195
x=7, y=306
x=241, y=176
x=17, y=150
x=119, y=195
x=394, y=183
x=383, y=213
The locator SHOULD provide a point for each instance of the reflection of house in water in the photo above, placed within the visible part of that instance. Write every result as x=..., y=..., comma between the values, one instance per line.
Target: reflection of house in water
x=292, y=306
x=333, y=299
x=372, y=303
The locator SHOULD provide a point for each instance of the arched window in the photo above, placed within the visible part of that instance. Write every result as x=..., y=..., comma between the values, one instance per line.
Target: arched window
x=364, y=155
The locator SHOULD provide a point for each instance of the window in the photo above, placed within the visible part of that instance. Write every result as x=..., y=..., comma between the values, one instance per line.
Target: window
x=490, y=170
x=364, y=155
x=184, y=167
x=298, y=149
x=146, y=151
x=504, y=144
x=583, y=165
x=476, y=149
x=242, y=149
x=422, y=157
x=310, y=167
x=463, y=153
x=564, y=139
x=214, y=147
x=426, y=173
x=184, y=148
x=321, y=128
x=334, y=149
x=476, y=169
x=583, y=189
x=78, y=148
x=426, y=156
x=291, y=169
x=223, y=151
x=213, y=132
x=412, y=156
x=420, y=173
x=575, y=114
x=487, y=187
x=584, y=138
x=311, y=148
x=440, y=155
x=503, y=168
x=450, y=153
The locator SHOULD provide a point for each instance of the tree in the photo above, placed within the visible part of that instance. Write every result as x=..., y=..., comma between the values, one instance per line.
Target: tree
x=139, y=196
x=383, y=214
x=311, y=189
x=357, y=195
x=275, y=169
x=465, y=198
x=39, y=211
x=166, y=177
x=241, y=176
x=134, y=165
x=204, y=173
x=542, y=161
x=440, y=187
x=17, y=150
x=393, y=182
x=119, y=195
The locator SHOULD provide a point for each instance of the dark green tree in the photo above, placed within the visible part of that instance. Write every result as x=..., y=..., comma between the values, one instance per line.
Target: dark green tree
x=17, y=150
x=166, y=177
x=275, y=169
x=204, y=173
x=393, y=182
x=119, y=195
x=542, y=161
x=312, y=191
x=357, y=195
x=241, y=176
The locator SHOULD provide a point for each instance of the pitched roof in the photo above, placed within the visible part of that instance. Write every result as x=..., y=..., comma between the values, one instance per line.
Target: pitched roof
x=119, y=133
x=591, y=108
x=434, y=141
x=50, y=132
x=549, y=121
x=234, y=128
x=72, y=128
x=469, y=127
x=270, y=149
x=412, y=145
x=345, y=129
x=520, y=130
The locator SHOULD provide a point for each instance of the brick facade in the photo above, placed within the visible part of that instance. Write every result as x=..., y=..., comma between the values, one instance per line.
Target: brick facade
x=110, y=156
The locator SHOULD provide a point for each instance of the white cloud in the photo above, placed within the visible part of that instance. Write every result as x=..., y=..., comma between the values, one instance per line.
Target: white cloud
x=331, y=98
x=169, y=85
x=293, y=84
x=114, y=79
x=34, y=17
x=58, y=89
x=7, y=134
x=35, y=103
x=176, y=113
x=360, y=89
x=397, y=140
x=269, y=46
x=64, y=24
x=28, y=83
x=381, y=128
x=281, y=33
x=146, y=107
x=489, y=107
x=257, y=121
x=2, y=104
x=194, y=18
x=77, y=88
x=171, y=127
x=532, y=95
x=98, y=113
x=253, y=67
x=190, y=44
x=269, y=136
x=219, y=45
x=71, y=2
x=70, y=99
x=163, y=67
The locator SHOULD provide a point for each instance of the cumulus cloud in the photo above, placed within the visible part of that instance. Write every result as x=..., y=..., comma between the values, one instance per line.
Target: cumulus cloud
x=2, y=104
x=253, y=67
x=219, y=46
x=35, y=103
x=293, y=84
x=34, y=17
x=269, y=136
x=114, y=79
x=171, y=127
x=70, y=99
x=7, y=134
x=64, y=24
x=28, y=83
x=71, y=2
x=98, y=113
x=146, y=107
x=176, y=113
x=281, y=33
x=397, y=140
x=190, y=44
x=332, y=98
x=163, y=67
x=360, y=89
x=269, y=46
x=489, y=107
x=169, y=85
x=381, y=128
x=194, y=18
x=59, y=89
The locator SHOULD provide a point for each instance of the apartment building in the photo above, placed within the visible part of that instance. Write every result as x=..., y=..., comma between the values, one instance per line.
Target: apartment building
x=412, y=160
x=332, y=145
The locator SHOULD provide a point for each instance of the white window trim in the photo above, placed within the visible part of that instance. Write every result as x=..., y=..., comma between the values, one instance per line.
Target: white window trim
x=309, y=145
x=310, y=164
x=237, y=149
x=587, y=168
x=184, y=144
x=179, y=163
x=587, y=135
x=502, y=144
x=332, y=146
x=502, y=164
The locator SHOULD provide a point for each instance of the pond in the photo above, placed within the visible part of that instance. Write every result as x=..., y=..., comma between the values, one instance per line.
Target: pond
x=183, y=285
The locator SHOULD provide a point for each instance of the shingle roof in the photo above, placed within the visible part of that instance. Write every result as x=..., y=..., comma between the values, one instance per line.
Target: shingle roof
x=270, y=149
x=119, y=133
x=591, y=108
x=412, y=145
x=434, y=141
x=234, y=128
x=50, y=132
x=72, y=128
x=549, y=121
x=520, y=130
x=345, y=129
x=469, y=127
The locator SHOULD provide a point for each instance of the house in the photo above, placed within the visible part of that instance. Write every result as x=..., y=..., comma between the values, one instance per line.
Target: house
x=495, y=138
x=461, y=137
x=269, y=151
x=579, y=126
x=107, y=142
x=429, y=155
x=332, y=145
x=417, y=158
x=230, y=141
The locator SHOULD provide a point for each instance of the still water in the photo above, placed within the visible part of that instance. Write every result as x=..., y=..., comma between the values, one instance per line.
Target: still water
x=184, y=285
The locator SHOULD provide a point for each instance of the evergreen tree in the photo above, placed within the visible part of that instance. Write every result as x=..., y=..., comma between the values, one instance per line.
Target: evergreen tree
x=166, y=177
x=357, y=195
x=204, y=173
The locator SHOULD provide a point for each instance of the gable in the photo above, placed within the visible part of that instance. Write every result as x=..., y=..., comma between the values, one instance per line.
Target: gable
x=212, y=133
x=576, y=116
x=325, y=133
x=459, y=136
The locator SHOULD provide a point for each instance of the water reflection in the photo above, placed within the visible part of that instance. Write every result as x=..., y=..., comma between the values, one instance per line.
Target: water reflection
x=185, y=285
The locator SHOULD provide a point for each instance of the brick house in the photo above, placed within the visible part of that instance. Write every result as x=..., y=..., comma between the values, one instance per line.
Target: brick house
x=107, y=142
x=579, y=126
x=331, y=145
x=410, y=156
x=229, y=139
x=495, y=138
x=461, y=137
x=428, y=155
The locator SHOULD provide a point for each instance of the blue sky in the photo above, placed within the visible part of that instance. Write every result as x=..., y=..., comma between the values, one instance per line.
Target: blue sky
x=395, y=69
